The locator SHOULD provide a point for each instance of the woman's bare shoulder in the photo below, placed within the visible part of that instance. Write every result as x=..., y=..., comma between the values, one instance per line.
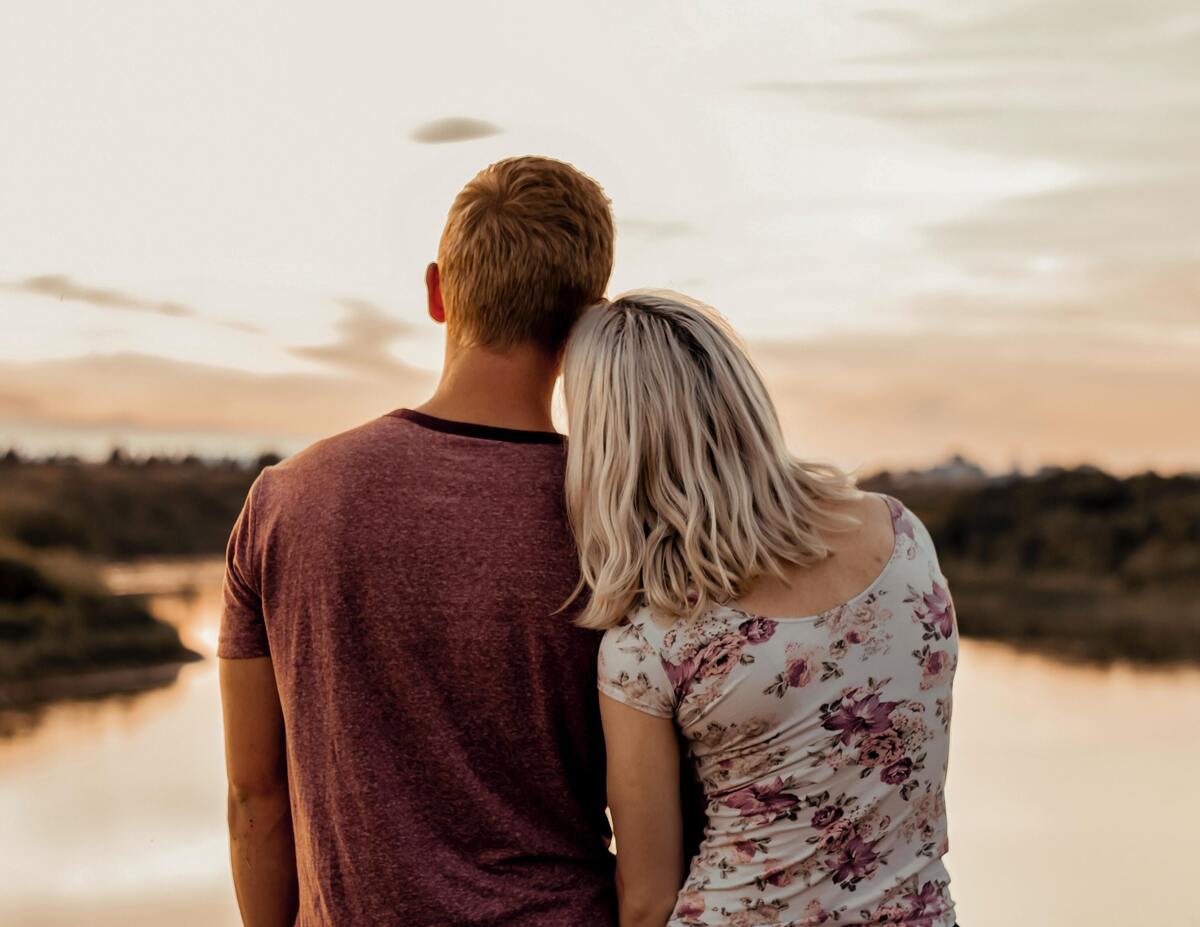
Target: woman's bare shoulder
x=873, y=516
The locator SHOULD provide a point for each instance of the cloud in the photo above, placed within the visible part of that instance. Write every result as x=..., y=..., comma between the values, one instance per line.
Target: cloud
x=17, y=405
x=1099, y=268
x=240, y=326
x=895, y=18
x=870, y=400
x=129, y=390
x=453, y=129
x=366, y=331
x=1148, y=302
x=1097, y=84
x=1030, y=396
x=653, y=229
x=60, y=286
x=57, y=286
x=1149, y=228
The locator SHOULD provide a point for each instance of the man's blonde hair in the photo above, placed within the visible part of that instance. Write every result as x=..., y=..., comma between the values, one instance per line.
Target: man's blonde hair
x=680, y=489
x=527, y=246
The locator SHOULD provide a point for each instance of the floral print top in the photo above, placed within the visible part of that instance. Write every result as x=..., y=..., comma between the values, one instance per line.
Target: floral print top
x=821, y=744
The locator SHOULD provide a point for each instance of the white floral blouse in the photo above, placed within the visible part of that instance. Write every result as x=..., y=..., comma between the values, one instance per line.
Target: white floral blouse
x=821, y=744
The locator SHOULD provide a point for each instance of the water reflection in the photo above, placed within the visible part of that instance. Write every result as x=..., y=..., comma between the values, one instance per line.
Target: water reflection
x=1071, y=796
x=119, y=803
x=184, y=593
x=100, y=693
x=1072, y=792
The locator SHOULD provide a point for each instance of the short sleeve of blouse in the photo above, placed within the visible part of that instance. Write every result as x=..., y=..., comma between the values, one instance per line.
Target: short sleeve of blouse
x=924, y=538
x=630, y=669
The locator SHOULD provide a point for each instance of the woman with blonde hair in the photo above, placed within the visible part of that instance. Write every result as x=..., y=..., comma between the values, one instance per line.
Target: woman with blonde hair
x=796, y=632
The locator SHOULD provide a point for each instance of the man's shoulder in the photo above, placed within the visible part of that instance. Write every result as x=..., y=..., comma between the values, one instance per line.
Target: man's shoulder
x=335, y=449
x=348, y=456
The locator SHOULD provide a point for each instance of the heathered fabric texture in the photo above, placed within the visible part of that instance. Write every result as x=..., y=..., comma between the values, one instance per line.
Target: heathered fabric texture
x=445, y=756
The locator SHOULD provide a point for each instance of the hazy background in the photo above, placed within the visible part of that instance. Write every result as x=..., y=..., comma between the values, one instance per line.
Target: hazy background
x=944, y=228
x=963, y=226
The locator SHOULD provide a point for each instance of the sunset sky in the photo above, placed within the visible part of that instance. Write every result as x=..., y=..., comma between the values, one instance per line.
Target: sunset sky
x=958, y=227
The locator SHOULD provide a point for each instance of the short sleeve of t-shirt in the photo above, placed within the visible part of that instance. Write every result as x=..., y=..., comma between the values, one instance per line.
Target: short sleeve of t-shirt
x=243, y=632
x=630, y=668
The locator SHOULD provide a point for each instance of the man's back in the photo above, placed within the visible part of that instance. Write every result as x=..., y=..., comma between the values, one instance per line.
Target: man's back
x=443, y=741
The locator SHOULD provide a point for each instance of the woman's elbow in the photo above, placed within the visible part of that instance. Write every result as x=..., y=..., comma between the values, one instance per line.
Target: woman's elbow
x=647, y=913
x=645, y=906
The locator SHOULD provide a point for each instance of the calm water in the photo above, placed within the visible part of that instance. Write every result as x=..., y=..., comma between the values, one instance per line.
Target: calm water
x=1072, y=796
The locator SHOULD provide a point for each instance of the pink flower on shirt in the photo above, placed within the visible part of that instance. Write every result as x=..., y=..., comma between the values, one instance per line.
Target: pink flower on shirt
x=757, y=630
x=719, y=657
x=940, y=609
x=936, y=669
x=860, y=716
x=681, y=674
x=881, y=749
x=767, y=798
x=801, y=662
x=689, y=905
x=857, y=860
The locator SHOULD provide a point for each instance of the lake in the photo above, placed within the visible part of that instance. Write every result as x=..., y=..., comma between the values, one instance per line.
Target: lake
x=1072, y=793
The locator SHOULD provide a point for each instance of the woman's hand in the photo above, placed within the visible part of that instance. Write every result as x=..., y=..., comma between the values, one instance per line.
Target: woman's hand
x=643, y=796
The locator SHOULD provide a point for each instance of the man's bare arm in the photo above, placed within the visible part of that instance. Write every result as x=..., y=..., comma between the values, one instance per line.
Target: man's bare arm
x=261, y=843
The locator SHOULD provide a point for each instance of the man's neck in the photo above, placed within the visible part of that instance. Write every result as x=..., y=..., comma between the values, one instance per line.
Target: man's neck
x=509, y=390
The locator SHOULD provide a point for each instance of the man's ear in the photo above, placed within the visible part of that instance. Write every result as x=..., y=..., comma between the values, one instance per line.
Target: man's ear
x=433, y=287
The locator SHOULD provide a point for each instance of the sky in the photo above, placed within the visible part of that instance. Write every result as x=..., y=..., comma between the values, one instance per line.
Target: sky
x=941, y=228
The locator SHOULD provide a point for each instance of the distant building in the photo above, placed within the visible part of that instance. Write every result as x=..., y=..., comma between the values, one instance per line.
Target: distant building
x=957, y=471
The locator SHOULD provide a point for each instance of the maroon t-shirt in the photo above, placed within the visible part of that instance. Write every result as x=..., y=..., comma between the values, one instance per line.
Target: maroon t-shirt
x=445, y=756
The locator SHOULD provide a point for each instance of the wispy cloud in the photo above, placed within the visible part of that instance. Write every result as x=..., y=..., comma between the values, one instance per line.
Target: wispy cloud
x=1007, y=396
x=1108, y=84
x=1158, y=301
x=365, y=331
x=58, y=286
x=129, y=390
x=453, y=129
x=869, y=400
x=653, y=229
x=62, y=287
x=18, y=404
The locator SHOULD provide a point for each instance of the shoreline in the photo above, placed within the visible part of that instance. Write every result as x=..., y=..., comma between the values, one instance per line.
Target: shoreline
x=1081, y=626
x=31, y=694
x=71, y=635
x=153, y=576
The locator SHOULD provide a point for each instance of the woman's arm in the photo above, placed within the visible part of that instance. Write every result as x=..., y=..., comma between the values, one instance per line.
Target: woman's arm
x=643, y=796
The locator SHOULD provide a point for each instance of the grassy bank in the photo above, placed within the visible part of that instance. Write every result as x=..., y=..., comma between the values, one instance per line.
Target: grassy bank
x=123, y=509
x=1078, y=563
x=61, y=633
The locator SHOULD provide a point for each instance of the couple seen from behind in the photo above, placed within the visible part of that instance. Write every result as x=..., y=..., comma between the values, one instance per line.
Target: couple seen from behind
x=452, y=638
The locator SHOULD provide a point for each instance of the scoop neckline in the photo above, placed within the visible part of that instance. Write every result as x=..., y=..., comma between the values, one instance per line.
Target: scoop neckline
x=895, y=514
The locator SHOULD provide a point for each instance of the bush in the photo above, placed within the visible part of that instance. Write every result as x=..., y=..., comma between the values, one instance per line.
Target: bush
x=50, y=627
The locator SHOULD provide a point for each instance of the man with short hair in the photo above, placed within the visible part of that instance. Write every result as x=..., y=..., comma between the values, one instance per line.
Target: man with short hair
x=412, y=731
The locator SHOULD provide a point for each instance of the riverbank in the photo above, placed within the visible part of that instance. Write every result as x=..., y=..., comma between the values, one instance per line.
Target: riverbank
x=1075, y=563
x=1078, y=618
x=64, y=635
x=24, y=695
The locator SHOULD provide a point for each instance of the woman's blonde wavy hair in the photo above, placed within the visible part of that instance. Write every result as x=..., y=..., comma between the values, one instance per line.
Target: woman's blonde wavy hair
x=679, y=487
